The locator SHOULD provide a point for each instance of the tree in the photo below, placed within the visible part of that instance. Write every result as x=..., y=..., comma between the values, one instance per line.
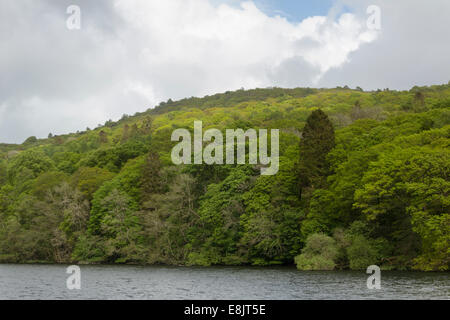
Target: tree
x=318, y=254
x=316, y=142
x=28, y=164
x=388, y=173
x=356, y=111
x=30, y=140
x=151, y=181
x=128, y=181
x=125, y=133
x=47, y=182
x=120, y=229
x=405, y=196
x=271, y=222
x=103, y=137
x=70, y=211
x=88, y=180
x=119, y=235
x=419, y=98
x=216, y=237
x=44, y=229
x=168, y=224
x=134, y=132
x=147, y=126
x=3, y=173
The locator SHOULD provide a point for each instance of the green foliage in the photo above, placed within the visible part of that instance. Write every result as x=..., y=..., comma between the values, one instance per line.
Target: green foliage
x=44, y=230
x=66, y=161
x=371, y=169
x=217, y=235
x=28, y=165
x=168, y=220
x=319, y=253
x=30, y=140
x=3, y=173
x=88, y=180
x=113, y=158
x=46, y=182
x=128, y=181
x=361, y=253
x=271, y=222
x=404, y=191
x=151, y=181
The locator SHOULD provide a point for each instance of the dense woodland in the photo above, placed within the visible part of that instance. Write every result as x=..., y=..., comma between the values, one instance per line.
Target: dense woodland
x=363, y=179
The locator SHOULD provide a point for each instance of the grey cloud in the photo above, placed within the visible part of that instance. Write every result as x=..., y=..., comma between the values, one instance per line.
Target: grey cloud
x=294, y=72
x=59, y=81
x=413, y=48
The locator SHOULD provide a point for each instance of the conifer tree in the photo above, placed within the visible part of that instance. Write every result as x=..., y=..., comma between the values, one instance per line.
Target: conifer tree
x=317, y=141
x=419, y=98
x=419, y=102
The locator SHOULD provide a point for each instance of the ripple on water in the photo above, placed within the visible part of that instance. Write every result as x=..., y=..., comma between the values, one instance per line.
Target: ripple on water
x=132, y=282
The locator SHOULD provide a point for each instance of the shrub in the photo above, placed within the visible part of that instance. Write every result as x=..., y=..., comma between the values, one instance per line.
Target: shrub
x=361, y=253
x=356, y=250
x=319, y=253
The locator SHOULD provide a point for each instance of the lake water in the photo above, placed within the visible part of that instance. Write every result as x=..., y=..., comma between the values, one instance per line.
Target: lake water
x=157, y=282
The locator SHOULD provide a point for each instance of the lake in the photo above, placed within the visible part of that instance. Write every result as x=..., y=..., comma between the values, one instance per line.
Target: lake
x=158, y=282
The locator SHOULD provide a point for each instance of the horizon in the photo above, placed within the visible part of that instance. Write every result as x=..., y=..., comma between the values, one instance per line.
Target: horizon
x=137, y=113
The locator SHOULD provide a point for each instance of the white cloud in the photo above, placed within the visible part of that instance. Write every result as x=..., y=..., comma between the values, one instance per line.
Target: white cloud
x=131, y=54
x=228, y=47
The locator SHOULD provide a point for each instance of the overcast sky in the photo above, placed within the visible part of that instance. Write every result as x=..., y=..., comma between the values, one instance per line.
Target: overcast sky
x=129, y=55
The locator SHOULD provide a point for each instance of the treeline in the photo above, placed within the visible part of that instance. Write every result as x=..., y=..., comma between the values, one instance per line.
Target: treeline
x=231, y=98
x=363, y=179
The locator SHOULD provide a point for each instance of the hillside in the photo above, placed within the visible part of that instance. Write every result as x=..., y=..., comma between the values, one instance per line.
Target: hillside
x=112, y=195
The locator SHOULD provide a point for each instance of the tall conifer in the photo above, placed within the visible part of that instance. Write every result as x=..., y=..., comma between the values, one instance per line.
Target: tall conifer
x=316, y=142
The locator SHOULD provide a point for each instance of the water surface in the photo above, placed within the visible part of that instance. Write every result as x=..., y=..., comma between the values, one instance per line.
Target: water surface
x=158, y=282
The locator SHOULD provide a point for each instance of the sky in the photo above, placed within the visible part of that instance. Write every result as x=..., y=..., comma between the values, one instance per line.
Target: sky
x=294, y=11
x=129, y=55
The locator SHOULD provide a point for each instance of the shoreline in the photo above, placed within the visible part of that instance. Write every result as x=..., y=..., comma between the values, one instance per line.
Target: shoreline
x=268, y=267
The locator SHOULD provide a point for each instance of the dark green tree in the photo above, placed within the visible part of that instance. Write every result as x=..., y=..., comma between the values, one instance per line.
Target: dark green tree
x=316, y=142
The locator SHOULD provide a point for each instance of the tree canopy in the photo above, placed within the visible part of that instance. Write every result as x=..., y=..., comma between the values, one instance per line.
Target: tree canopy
x=363, y=179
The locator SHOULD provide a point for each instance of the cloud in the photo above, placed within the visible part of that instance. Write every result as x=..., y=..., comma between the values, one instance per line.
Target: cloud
x=131, y=54
x=411, y=49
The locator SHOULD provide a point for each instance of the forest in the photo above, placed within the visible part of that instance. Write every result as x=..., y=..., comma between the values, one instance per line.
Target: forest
x=363, y=179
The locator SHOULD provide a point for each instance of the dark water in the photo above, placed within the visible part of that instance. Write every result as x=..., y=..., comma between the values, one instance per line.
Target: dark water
x=130, y=282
